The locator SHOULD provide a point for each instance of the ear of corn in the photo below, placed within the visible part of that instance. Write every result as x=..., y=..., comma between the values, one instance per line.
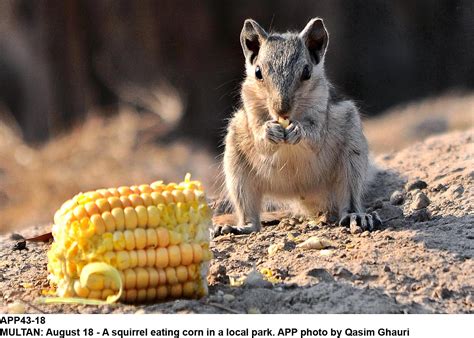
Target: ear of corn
x=154, y=237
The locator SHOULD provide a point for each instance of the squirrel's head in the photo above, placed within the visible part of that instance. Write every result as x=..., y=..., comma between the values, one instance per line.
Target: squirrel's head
x=283, y=70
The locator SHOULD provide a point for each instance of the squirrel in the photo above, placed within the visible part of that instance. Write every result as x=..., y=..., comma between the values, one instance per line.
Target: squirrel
x=320, y=160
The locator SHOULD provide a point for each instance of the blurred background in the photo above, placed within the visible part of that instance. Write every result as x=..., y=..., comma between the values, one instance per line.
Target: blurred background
x=99, y=93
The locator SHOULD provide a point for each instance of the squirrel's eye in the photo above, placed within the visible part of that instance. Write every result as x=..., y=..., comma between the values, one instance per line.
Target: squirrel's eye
x=306, y=75
x=258, y=73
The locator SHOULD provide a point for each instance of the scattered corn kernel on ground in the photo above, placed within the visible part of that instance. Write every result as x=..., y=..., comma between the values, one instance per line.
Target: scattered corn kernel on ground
x=135, y=244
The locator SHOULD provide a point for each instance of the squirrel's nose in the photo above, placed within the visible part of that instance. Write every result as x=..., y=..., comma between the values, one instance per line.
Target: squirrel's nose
x=282, y=107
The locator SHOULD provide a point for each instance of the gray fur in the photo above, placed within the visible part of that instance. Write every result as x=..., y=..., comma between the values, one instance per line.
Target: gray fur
x=320, y=161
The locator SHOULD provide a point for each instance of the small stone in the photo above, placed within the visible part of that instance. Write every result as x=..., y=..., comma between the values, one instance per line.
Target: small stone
x=439, y=187
x=386, y=268
x=365, y=234
x=342, y=272
x=397, y=197
x=320, y=274
x=140, y=312
x=218, y=274
x=442, y=293
x=253, y=311
x=228, y=297
x=418, y=184
x=421, y=215
x=420, y=201
x=16, y=308
x=256, y=280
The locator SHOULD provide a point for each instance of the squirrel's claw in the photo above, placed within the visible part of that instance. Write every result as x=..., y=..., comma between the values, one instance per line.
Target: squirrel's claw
x=359, y=222
x=274, y=132
x=293, y=133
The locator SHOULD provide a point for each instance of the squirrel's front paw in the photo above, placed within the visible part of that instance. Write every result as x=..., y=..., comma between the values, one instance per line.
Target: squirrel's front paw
x=293, y=133
x=274, y=132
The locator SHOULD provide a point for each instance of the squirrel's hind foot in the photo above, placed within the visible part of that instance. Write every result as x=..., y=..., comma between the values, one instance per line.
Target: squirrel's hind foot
x=359, y=222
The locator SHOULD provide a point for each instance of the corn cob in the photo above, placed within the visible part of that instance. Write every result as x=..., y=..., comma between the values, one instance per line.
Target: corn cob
x=154, y=237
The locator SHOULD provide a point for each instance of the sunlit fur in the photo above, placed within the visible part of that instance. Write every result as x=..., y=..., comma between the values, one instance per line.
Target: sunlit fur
x=326, y=170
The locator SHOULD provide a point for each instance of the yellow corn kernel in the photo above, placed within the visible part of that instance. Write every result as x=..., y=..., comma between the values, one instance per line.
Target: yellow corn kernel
x=106, y=293
x=103, y=205
x=150, y=257
x=114, y=202
x=131, y=220
x=175, y=237
x=197, y=253
x=178, y=196
x=187, y=256
x=162, y=292
x=99, y=224
x=142, y=215
x=91, y=208
x=192, y=272
x=124, y=191
x=136, y=200
x=104, y=193
x=140, y=238
x=174, y=255
x=141, y=295
x=151, y=294
x=125, y=201
x=182, y=273
x=80, y=212
x=109, y=221
x=157, y=198
x=147, y=200
x=114, y=192
x=130, y=281
x=143, y=279
x=123, y=260
x=153, y=216
x=151, y=238
x=119, y=218
x=80, y=290
x=189, y=289
x=168, y=196
x=131, y=296
x=145, y=189
x=163, y=237
x=171, y=277
x=135, y=189
x=119, y=240
x=176, y=291
x=110, y=258
x=153, y=277
x=161, y=258
x=133, y=258
x=95, y=282
x=162, y=276
x=157, y=186
x=142, y=258
x=95, y=294
x=188, y=195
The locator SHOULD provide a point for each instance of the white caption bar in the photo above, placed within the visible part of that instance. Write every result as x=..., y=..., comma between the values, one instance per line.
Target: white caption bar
x=242, y=326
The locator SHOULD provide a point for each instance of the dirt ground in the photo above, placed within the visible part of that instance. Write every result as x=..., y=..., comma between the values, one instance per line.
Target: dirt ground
x=421, y=261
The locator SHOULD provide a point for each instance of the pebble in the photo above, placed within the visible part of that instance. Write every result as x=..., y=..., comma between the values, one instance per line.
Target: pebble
x=420, y=201
x=228, y=297
x=386, y=268
x=421, y=215
x=418, y=184
x=397, y=197
x=16, y=308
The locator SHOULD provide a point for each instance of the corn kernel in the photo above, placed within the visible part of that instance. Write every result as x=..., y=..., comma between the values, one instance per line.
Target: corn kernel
x=142, y=215
x=140, y=238
x=131, y=220
x=161, y=258
x=119, y=217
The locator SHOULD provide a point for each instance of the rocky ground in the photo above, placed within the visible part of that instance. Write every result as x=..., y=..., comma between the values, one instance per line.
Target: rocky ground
x=421, y=261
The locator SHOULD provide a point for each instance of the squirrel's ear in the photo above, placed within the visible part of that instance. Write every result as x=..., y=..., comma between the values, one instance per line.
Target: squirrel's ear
x=315, y=37
x=251, y=39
